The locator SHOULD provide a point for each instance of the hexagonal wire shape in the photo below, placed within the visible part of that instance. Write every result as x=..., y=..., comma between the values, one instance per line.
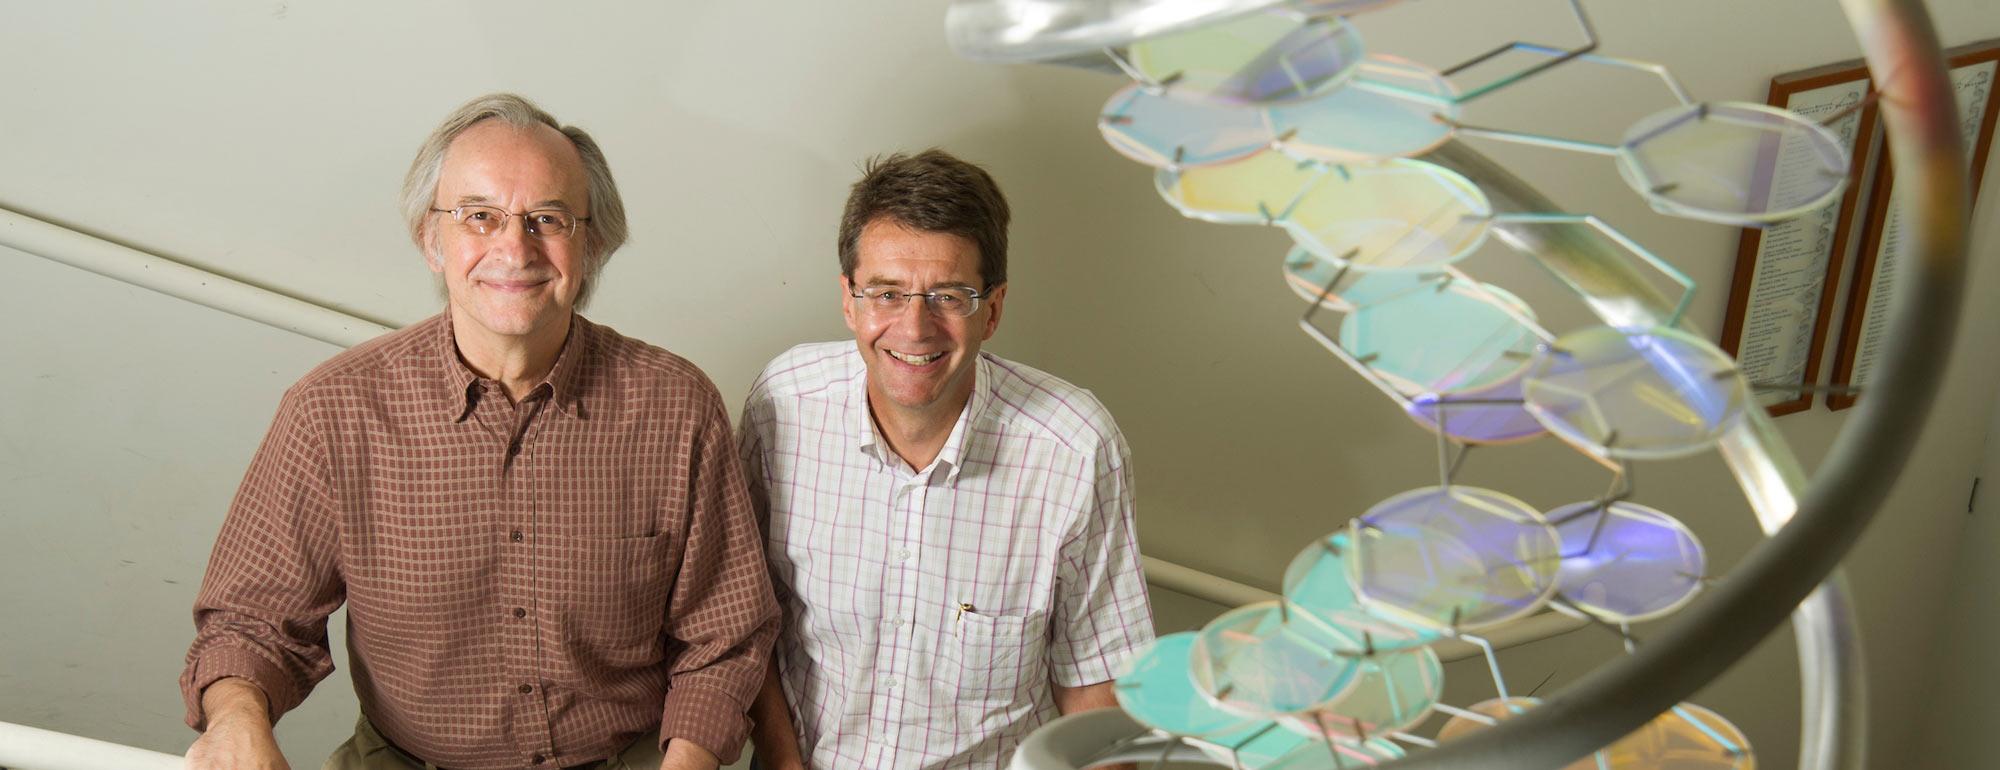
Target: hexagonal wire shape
x=1453, y=559
x=1165, y=131
x=1267, y=57
x=1733, y=163
x=1610, y=236
x=1624, y=562
x=1635, y=394
x=1263, y=659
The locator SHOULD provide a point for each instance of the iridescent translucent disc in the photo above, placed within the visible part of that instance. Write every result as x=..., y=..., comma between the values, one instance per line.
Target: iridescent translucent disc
x=1158, y=691
x=1441, y=338
x=1500, y=709
x=1640, y=394
x=1642, y=563
x=1253, y=191
x=1260, y=58
x=1493, y=415
x=1165, y=131
x=1263, y=659
x=1316, y=580
x=1688, y=737
x=1398, y=215
x=1399, y=684
x=1733, y=163
x=1308, y=274
x=1459, y=557
x=1381, y=114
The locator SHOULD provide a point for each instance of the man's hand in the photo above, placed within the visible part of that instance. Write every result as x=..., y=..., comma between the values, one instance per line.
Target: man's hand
x=684, y=755
x=239, y=730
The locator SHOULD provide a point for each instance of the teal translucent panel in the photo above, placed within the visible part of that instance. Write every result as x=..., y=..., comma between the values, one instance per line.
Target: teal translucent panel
x=1454, y=557
x=1639, y=394
x=1626, y=562
x=1733, y=163
x=1255, y=190
x=1687, y=737
x=1440, y=337
x=1316, y=580
x=1399, y=683
x=1267, y=57
x=1165, y=131
x=1492, y=415
x=1262, y=659
x=1396, y=215
x=1157, y=690
x=1375, y=117
x=1309, y=274
x=1261, y=746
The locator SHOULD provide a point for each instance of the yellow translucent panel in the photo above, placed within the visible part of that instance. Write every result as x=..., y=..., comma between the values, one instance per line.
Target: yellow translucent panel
x=1255, y=190
x=1399, y=215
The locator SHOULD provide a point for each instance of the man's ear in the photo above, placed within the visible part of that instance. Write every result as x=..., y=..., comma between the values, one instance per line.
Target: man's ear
x=995, y=298
x=847, y=308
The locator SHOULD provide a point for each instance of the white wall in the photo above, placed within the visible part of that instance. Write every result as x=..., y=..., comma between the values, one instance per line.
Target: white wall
x=265, y=140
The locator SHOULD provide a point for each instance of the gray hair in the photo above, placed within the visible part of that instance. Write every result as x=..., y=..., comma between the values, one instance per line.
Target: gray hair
x=603, y=234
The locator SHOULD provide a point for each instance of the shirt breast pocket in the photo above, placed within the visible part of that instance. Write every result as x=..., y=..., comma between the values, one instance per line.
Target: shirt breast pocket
x=615, y=607
x=996, y=658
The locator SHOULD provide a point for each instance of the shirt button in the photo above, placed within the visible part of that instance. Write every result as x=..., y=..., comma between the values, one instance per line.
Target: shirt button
x=520, y=612
x=514, y=536
x=538, y=759
x=892, y=683
x=527, y=688
x=898, y=622
x=903, y=554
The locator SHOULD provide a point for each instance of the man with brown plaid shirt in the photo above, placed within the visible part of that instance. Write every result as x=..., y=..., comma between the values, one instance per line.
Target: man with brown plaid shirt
x=539, y=526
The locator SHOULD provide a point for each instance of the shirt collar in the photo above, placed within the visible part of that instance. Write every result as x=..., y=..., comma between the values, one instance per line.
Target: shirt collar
x=464, y=387
x=866, y=436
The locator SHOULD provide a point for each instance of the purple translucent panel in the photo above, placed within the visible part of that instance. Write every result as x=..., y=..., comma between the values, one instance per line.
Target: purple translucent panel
x=1158, y=691
x=1165, y=131
x=1453, y=558
x=1626, y=562
x=1491, y=416
x=1639, y=394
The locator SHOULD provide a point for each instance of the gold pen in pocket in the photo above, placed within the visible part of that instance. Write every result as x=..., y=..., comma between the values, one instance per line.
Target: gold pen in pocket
x=964, y=607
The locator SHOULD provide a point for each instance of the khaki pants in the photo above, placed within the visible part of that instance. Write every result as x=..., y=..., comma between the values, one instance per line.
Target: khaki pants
x=368, y=750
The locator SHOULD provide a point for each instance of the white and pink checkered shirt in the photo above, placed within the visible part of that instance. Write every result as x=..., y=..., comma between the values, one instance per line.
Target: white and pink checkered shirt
x=927, y=612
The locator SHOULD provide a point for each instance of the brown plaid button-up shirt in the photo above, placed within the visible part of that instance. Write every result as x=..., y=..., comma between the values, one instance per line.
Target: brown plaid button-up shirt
x=527, y=585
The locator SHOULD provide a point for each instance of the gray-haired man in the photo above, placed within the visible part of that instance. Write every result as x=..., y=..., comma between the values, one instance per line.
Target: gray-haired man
x=538, y=525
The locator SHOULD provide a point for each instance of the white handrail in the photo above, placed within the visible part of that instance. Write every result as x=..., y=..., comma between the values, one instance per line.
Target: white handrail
x=32, y=748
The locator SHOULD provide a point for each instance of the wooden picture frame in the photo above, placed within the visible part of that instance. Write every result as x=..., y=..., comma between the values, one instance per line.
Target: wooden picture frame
x=1781, y=299
x=1974, y=70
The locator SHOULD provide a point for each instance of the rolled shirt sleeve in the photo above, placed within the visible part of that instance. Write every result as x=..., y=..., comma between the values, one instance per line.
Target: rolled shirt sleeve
x=722, y=616
x=1101, y=612
x=274, y=575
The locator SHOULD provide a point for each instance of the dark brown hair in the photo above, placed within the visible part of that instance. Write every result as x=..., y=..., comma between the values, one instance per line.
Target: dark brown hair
x=934, y=192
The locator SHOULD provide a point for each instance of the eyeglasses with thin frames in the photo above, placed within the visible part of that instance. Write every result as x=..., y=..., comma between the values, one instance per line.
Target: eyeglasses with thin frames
x=553, y=224
x=950, y=301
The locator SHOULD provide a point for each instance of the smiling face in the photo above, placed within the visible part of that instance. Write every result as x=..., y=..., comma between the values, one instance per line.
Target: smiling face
x=509, y=285
x=920, y=364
